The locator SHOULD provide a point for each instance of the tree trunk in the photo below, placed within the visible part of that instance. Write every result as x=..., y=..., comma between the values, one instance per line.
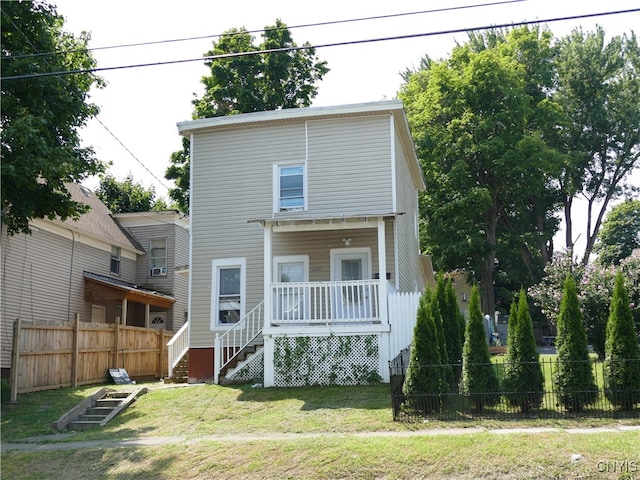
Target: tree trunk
x=487, y=292
x=568, y=226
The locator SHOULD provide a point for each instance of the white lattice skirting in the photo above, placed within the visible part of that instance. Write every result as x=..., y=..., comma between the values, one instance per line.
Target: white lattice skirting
x=326, y=360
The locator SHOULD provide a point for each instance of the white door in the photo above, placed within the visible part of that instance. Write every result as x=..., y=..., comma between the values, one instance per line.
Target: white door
x=289, y=302
x=351, y=300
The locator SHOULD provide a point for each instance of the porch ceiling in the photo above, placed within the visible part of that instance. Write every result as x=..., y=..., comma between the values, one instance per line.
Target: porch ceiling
x=100, y=287
x=301, y=223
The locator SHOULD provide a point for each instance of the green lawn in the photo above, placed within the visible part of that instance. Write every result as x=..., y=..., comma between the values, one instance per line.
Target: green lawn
x=338, y=444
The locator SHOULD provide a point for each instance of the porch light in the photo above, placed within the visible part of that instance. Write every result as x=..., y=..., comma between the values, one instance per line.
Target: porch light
x=346, y=241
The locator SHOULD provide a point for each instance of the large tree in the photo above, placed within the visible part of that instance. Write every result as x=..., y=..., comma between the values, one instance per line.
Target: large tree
x=41, y=115
x=123, y=196
x=598, y=89
x=477, y=120
x=282, y=76
x=619, y=234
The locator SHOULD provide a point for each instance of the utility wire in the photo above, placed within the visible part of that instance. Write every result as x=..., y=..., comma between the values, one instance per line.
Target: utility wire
x=99, y=121
x=307, y=25
x=325, y=45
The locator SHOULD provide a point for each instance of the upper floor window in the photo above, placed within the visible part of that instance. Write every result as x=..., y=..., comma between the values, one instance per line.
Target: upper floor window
x=158, y=257
x=290, y=189
x=115, y=260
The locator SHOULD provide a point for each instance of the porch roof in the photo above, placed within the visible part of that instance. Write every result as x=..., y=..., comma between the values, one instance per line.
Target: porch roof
x=306, y=221
x=109, y=288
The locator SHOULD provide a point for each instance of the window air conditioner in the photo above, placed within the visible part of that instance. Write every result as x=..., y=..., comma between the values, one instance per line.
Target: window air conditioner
x=155, y=272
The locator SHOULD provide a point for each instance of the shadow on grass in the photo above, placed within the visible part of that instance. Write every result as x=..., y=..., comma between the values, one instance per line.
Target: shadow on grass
x=368, y=397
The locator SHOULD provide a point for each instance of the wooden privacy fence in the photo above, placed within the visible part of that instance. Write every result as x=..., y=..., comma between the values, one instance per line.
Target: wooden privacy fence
x=48, y=355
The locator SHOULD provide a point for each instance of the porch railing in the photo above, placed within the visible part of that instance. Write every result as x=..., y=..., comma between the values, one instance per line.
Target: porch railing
x=230, y=343
x=325, y=303
x=178, y=346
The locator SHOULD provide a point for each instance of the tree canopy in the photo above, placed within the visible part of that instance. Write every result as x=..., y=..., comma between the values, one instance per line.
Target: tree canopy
x=128, y=196
x=284, y=76
x=619, y=234
x=41, y=116
x=476, y=119
x=510, y=129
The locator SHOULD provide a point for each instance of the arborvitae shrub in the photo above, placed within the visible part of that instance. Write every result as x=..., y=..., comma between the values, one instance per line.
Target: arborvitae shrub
x=523, y=383
x=573, y=377
x=622, y=353
x=423, y=382
x=453, y=329
x=479, y=382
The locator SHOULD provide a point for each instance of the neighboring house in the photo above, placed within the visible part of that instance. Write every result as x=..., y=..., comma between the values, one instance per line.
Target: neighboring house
x=95, y=268
x=303, y=223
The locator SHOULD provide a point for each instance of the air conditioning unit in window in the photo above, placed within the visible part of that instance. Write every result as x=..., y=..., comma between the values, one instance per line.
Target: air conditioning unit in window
x=157, y=271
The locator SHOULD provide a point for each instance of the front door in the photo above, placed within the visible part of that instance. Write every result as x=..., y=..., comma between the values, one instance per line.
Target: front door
x=289, y=302
x=351, y=299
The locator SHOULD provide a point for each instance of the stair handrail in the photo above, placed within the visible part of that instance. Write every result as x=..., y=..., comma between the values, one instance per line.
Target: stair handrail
x=236, y=338
x=178, y=346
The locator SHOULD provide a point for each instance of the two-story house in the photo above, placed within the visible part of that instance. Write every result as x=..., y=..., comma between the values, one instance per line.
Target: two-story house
x=304, y=222
x=102, y=267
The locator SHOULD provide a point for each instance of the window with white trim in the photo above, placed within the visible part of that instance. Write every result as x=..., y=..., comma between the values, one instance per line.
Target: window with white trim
x=158, y=257
x=228, y=289
x=290, y=183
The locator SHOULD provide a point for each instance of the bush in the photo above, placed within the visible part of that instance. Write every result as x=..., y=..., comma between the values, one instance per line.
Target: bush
x=622, y=353
x=479, y=383
x=573, y=377
x=424, y=381
x=523, y=379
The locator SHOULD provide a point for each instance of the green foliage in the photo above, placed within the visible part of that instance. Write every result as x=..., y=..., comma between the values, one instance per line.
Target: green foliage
x=41, y=116
x=595, y=288
x=476, y=119
x=126, y=196
x=425, y=374
x=598, y=81
x=479, y=382
x=523, y=381
x=619, y=234
x=622, y=352
x=453, y=323
x=573, y=378
x=285, y=78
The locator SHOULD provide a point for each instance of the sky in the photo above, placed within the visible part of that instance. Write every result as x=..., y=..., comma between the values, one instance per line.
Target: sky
x=139, y=108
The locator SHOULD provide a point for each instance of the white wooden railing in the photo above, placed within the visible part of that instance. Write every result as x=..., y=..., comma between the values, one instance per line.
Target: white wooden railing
x=178, y=346
x=231, y=342
x=325, y=303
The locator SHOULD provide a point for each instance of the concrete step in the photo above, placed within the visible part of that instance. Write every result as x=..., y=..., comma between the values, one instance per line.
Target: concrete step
x=98, y=409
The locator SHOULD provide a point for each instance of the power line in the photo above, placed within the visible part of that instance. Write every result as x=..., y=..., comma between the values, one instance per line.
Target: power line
x=99, y=121
x=308, y=47
x=307, y=25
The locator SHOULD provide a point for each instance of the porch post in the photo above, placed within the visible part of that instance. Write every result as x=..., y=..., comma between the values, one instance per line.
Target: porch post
x=385, y=337
x=146, y=316
x=267, y=274
x=382, y=268
x=124, y=311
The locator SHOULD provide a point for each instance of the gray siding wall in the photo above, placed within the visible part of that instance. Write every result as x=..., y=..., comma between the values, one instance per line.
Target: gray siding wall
x=42, y=280
x=232, y=182
x=177, y=239
x=408, y=243
x=349, y=168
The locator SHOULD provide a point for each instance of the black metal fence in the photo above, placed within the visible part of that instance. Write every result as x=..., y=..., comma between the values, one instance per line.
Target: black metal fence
x=450, y=404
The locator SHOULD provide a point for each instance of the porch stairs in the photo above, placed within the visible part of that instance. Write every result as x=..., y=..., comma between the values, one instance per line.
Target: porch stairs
x=98, y=409
x=180, y=373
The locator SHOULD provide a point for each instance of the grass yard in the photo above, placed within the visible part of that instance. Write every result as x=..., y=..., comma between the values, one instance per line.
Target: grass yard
x=316, y=432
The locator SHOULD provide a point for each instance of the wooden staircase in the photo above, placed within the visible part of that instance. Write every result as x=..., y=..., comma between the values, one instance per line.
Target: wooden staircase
x=98, y=409
x=180, y=373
